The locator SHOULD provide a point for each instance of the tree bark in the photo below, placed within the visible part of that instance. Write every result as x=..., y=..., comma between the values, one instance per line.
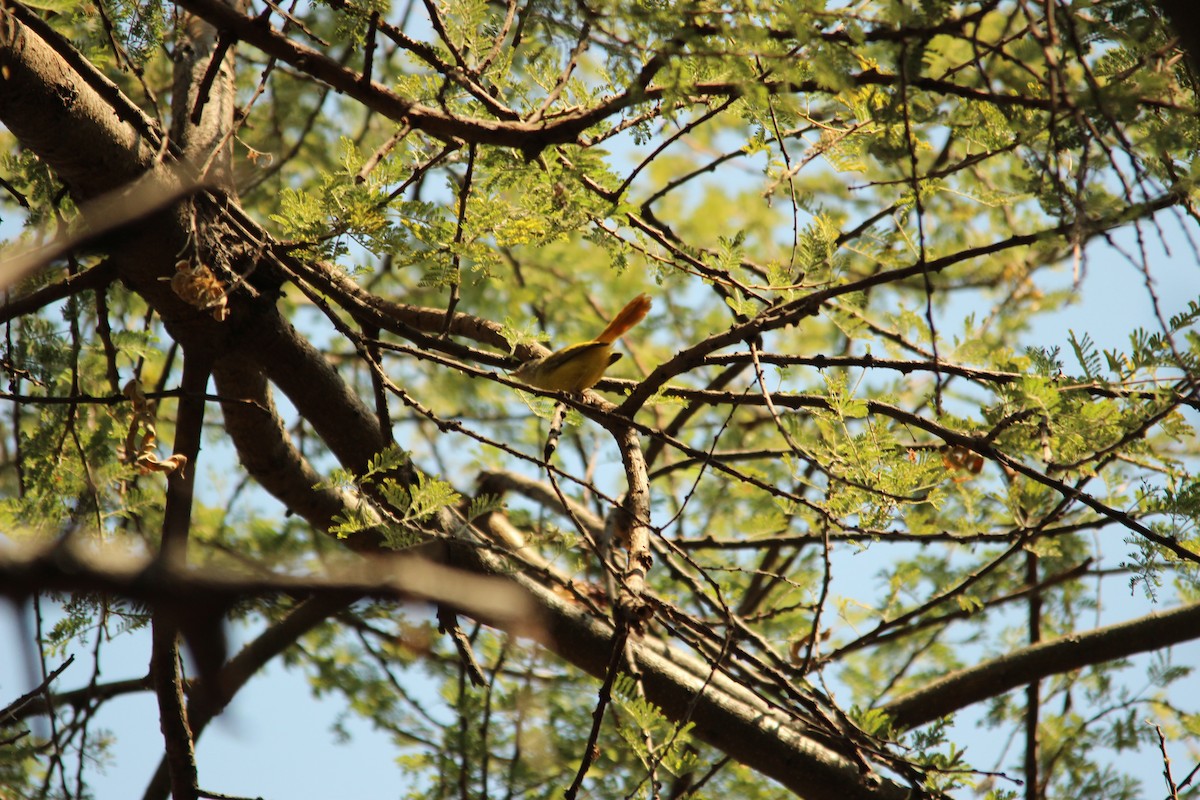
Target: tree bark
x=992, y=678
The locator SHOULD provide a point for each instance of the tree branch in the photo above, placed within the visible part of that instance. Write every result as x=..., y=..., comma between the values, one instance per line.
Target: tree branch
x=993, y=678
x=201, y=624
x=100, y=275
x=530, y=137
x=243, y=666
x=69, y=567
x=1182, y=16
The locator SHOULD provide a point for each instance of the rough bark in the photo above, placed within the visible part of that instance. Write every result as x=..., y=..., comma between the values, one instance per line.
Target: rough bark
x=992, y=678
x=1186, y=22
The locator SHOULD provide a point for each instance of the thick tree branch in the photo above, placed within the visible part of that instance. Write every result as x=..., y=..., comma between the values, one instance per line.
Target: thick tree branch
x=172, y=710
x=993, y=678
x=100, y=148
x=203, y=98
x=53, y=110
x=179, y=588
x=200, y=624
x=343, y=421
x=727, y=716
x=266, y=450
x=634, y=523
x=100, y=275
x=1185, y=22
x=243, y=666
x=530, y=137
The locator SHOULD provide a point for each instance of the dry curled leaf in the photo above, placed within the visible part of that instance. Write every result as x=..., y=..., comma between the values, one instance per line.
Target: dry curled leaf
x=143, y=454
x=799, y=646
x=150, y=462
x=958, y=458
x=133, y=390
x=197, y=286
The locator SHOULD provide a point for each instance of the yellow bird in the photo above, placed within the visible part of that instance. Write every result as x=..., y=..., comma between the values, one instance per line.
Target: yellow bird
x=580, y=366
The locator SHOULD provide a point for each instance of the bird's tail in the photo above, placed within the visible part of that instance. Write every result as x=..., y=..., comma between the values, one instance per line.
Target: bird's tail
x=633, y=313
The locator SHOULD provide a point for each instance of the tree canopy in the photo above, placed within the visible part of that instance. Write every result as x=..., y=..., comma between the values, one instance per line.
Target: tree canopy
x=270, y=268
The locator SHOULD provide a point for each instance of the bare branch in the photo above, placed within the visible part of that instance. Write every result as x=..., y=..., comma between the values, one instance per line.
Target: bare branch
x=992, y=678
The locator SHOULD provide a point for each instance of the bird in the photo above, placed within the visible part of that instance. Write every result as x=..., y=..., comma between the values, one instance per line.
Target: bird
x=580, y=366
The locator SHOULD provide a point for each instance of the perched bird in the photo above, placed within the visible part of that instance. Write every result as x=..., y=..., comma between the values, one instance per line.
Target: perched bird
x=580, y=366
